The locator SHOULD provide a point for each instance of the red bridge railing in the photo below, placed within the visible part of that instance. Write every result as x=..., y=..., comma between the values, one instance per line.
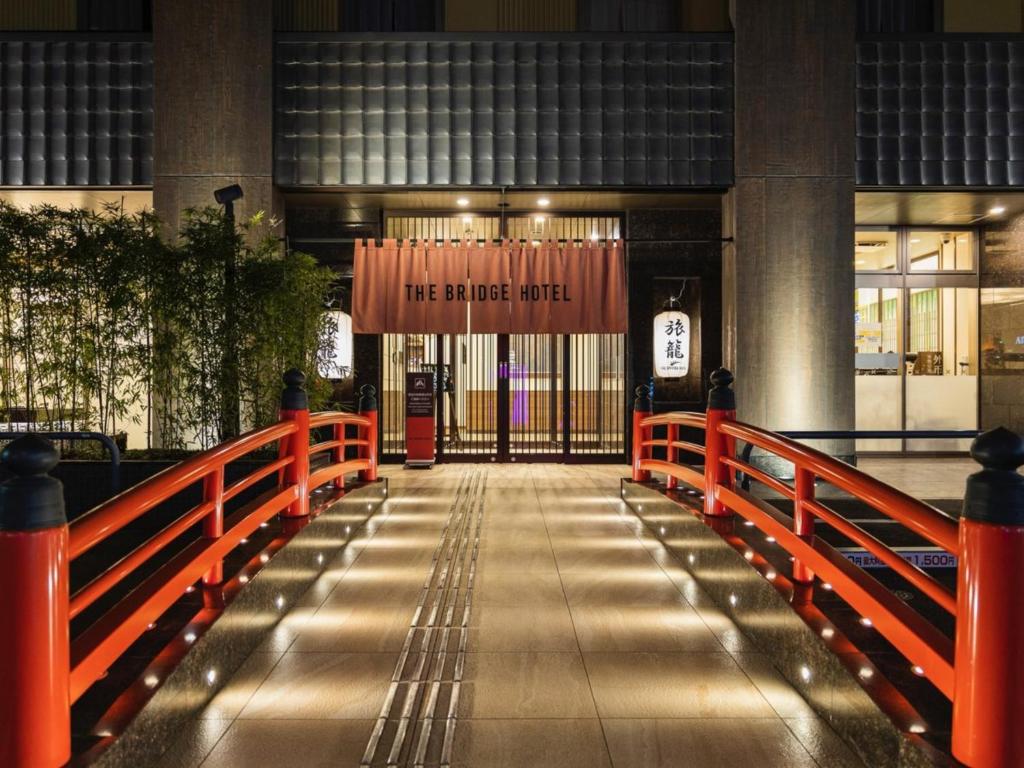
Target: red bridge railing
x=981, y=669
x=43, y=671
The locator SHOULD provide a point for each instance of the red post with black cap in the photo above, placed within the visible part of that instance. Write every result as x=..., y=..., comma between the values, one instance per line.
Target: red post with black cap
x=988, y=696
x=368, y=409
x=35, y=664
x=642, y=408
x=295, y=407
x=721, y=408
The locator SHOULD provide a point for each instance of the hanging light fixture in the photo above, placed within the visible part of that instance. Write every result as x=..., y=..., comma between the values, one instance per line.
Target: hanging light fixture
x=338, y=362
x=672, y=339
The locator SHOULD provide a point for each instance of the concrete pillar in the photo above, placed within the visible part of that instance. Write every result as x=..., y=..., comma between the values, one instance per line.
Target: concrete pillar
x=788, y=276
x=212, y=113
x=213, y=105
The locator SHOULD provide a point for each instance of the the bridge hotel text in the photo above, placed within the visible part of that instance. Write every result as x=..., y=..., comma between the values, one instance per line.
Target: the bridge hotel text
x=486, y=292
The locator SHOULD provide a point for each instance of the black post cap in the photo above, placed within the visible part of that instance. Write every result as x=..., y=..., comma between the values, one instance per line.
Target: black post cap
x=642, y=399
x=31, y=500
x=996, y=493
x=367, y=398
x=293, y=397
x=721, y=397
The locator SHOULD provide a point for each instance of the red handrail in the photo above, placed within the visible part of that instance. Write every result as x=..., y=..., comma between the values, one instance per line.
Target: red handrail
x=110, y=517
x=925, y=648
x=982, y=665
x=44, y=690
x=923, y=519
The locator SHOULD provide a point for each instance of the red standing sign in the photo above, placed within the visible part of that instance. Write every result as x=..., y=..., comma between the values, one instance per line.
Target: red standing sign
x=419, y=419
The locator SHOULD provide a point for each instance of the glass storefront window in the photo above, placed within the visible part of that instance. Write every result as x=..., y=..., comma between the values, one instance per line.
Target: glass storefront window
x=1002, y=358
x=875, y=251
x=940, y=251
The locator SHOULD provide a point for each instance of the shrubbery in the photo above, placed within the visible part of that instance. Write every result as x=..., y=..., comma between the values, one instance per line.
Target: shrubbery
x=102, y=321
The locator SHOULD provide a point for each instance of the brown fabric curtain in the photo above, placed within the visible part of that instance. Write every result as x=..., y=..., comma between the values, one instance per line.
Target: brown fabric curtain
x=612, y=281
x=407, y=303
x=447, y=268
x=490, y=286
x=530, y=267
x=500, y=288
x=571, y=308
x=369, y=291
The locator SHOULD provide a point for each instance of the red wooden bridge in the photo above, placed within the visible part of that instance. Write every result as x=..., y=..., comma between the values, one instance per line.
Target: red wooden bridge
x=469, y=562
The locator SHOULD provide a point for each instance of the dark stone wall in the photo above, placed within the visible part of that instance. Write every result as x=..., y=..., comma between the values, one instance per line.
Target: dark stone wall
x=663, y=248
x=789, y=273
x=212, y=105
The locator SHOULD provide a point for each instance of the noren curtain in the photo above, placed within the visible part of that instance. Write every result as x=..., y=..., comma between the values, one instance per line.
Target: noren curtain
x=491, y=288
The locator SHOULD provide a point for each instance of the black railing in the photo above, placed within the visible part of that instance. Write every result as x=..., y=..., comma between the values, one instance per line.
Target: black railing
x=105, y=440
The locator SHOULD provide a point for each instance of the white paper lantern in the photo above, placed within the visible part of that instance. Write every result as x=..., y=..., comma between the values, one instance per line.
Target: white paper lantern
x=338, y=363
x=671, y=341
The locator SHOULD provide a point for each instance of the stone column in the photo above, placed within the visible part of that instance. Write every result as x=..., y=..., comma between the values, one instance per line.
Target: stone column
x=212, y=113
x=788, y=276
x=213, y=105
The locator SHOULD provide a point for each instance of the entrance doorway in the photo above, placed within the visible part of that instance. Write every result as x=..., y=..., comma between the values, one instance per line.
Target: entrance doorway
x=511, y=397
x=916, y=319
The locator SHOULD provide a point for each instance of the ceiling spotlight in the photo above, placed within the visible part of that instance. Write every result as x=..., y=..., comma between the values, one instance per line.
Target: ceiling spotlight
x=995, y=210
x=543, y=202
x=462, y=202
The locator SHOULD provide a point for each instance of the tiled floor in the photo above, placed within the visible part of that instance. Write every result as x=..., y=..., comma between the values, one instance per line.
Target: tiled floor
x=923, y=478
x=585, y=646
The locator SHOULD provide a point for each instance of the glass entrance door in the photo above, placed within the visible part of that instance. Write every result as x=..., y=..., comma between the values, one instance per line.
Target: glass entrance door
x=519, y=397
x=878, y=362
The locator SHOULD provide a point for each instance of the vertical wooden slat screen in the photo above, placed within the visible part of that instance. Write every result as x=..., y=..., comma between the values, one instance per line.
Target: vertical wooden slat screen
x=34, y=15
x=536, y=15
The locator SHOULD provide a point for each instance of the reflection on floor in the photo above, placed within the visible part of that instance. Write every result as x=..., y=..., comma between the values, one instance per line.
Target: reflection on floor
x=585, y=645
x=923, y=477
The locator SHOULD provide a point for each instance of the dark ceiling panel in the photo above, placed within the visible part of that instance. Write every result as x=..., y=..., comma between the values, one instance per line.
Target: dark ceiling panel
x=442, y=112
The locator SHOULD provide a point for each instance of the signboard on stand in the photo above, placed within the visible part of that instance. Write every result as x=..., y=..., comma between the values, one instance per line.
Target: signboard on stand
x=419, y=419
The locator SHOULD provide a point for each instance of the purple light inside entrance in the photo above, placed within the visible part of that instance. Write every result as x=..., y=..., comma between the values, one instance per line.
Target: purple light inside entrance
x=520, y=395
